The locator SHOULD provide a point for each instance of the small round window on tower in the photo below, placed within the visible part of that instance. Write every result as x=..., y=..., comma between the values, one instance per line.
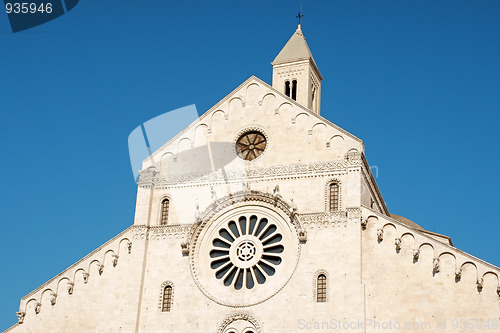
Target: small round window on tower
x=251, y=145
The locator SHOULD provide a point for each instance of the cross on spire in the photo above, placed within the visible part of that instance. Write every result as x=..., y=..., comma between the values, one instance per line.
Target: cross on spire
x=300, y=16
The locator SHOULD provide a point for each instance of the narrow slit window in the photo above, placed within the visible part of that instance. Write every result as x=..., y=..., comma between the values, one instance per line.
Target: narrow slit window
x=334, y=197
x=321, y=288
x=167, y=299
x=165, y=205
x=294, y=90
x=287, y=88
x=313, y=100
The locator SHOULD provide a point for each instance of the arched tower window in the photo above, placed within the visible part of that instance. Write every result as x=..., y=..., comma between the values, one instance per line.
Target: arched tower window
x=287, y=88
x=294, y=90
x=165, y=205
x=334, y=197
x=321, y=288
x=166, y=305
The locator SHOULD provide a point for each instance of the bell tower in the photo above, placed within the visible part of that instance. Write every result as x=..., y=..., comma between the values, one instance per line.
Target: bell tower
x=295, y=72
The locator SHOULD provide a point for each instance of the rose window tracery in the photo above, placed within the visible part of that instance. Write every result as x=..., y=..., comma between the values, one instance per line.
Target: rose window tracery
x=245, y=254
x=246, y=251
x=251, y=145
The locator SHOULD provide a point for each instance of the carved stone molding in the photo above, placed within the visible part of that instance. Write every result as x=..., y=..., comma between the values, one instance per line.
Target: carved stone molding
x=152, y=178
x=162, y=232
x=71, y=286
x=303, y=235
x=397, y=242
x=479, y=283
x=139, y=232
x=115, y=259
x=481, y=268
x=435, y=264
x=324, y=220
x=240, y=316
x=197, y=213
x=380, y=234
x=20, y=317
x=354, y=158
x=276, y=192
x=353, y=215
x=245, y=196
x=85, y=277
x=53, y=298
x=185, y=248
x=148, y=178
x=38, y=307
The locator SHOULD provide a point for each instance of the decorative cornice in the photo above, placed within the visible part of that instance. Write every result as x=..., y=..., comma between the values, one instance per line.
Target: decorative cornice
x=419, y=238
x=324, y=220
x=178, y=231
x=150, y=177
x=123, y=235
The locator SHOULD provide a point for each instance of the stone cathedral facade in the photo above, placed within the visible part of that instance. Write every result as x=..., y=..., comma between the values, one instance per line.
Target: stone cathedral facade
x=263, y=216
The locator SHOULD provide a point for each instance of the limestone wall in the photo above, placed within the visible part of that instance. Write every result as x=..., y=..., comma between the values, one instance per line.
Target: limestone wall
x=412, y=277
x=332, y=248
x=98, y=292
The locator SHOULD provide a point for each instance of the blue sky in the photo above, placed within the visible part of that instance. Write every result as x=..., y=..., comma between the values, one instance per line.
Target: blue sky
x=418, y=81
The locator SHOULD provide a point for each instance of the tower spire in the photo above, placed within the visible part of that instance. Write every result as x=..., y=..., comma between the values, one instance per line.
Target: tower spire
x=295, y=73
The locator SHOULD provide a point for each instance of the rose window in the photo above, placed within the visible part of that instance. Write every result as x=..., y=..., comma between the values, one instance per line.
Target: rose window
x=251, y=145
x=246, y=252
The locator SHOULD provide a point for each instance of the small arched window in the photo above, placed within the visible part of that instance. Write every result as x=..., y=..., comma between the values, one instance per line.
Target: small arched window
x=287, y=88
x=321, y=288
x=165, y=204
x=294, y=90
x=167, y=299
x=334, y=197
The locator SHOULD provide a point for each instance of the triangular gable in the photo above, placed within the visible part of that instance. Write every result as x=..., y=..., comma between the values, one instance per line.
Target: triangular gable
x=232, y=94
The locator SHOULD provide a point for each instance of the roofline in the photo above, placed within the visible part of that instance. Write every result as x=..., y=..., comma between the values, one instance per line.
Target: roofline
x=253, y=77
x=199, y=118
x=311, y=112
x=465, y=254
x=437, y=234
x=61, y=274
x=375, y=186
